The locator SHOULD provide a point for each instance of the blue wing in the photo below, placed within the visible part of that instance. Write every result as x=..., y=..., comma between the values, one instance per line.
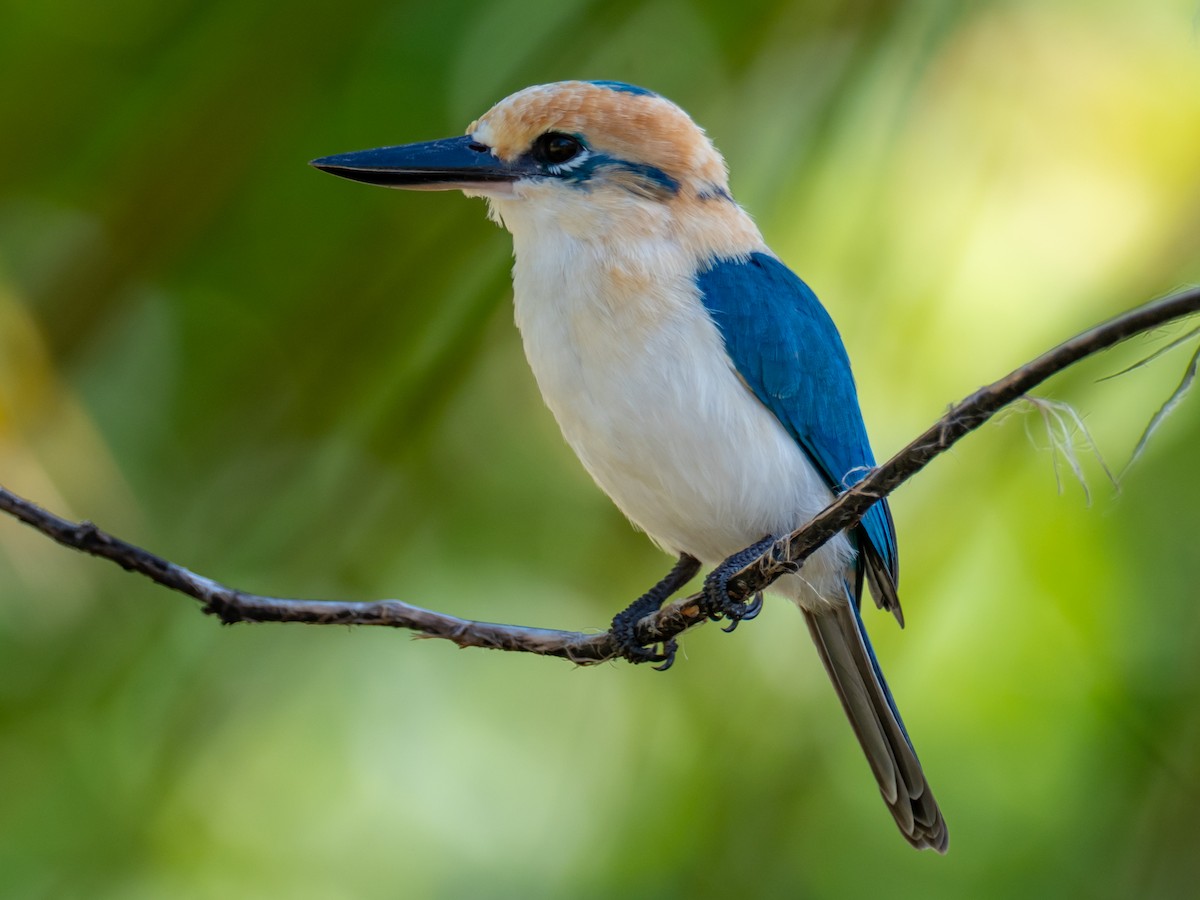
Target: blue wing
x=787, y=349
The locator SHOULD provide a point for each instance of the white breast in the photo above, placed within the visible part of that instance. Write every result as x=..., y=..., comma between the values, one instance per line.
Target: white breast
x=636, y=374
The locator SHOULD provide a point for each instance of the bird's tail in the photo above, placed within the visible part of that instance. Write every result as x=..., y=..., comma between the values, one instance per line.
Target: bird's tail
x=842, y=642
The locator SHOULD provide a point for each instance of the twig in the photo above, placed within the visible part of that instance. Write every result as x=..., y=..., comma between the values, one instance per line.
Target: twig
x=231, y=605
x=785, y=556
x=1185, y=385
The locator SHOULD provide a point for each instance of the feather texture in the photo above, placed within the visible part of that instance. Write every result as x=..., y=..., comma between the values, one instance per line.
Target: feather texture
x=787, y=349
x=845, y=650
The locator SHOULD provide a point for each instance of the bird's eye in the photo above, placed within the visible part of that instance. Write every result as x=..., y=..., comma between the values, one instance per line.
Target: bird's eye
x=555, y=148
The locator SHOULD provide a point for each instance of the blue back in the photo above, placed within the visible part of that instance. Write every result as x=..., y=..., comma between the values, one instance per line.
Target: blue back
x=785, y=346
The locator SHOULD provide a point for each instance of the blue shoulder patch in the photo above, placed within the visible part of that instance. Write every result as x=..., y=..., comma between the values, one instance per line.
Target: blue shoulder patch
x=624, y=88
x=783, y=343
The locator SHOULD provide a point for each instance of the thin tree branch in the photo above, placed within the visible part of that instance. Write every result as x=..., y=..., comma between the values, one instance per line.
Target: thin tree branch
x=785, y=556
x=231, y=605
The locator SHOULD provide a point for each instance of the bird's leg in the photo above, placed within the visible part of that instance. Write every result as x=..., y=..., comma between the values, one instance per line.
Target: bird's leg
x=717, y=602
x=624, y=623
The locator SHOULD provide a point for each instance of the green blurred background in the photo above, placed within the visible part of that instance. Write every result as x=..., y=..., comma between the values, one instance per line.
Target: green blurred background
x=306, y=387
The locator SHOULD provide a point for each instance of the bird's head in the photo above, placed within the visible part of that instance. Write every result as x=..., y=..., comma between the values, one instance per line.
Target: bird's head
x=573, y=150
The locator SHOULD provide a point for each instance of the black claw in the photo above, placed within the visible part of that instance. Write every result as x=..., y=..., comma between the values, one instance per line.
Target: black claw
x=624, y=623
x=670, y=645
x=717, y=602
x=749, y=610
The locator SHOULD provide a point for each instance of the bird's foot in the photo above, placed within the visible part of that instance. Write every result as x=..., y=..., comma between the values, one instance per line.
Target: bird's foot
x=624, y=623
x=717, y=602
x=624, y=632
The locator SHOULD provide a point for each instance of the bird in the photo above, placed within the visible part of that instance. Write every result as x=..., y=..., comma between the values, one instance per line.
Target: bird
x=699, y=381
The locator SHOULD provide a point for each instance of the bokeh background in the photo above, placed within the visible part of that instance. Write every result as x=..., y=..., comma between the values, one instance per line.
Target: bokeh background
x=306, y=387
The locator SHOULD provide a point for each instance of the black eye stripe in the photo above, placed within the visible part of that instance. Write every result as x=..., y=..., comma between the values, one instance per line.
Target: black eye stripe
x=555, y=148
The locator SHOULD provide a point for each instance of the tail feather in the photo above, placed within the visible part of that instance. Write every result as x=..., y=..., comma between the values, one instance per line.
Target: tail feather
x=881, y=579
x=846, y=652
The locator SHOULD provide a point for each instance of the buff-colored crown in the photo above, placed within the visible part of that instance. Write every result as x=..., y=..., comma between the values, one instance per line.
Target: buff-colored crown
x=618, y=120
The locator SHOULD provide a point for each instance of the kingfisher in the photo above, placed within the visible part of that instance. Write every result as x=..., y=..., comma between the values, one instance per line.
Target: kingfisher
x=700, y=382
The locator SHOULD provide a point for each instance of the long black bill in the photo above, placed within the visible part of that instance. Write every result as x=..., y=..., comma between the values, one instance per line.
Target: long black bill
x=434, y=165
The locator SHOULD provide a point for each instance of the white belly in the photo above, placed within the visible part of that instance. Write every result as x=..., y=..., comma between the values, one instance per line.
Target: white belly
x=646, y=396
